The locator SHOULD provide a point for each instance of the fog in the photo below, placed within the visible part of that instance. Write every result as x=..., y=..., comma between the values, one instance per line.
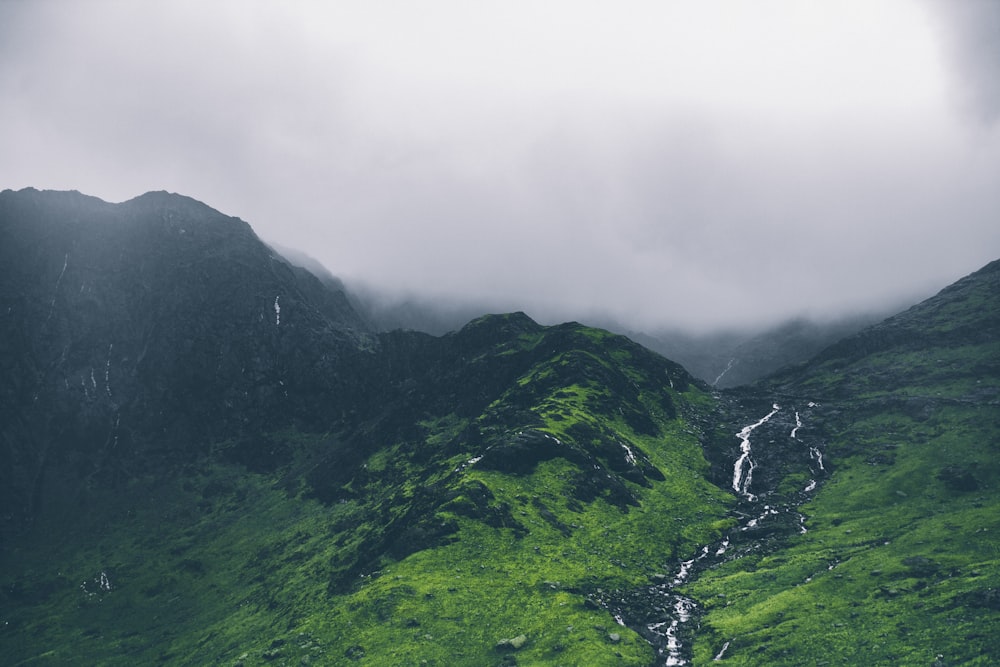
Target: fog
x=693, y=165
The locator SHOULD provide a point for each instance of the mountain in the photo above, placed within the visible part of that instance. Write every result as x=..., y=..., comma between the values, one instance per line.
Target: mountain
x=897, y=560
x=723, y=358
x=208, y=456
x=729, y=359
x=148, y=326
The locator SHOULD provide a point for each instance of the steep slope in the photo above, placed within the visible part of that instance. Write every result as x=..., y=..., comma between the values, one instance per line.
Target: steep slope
x=207, y=459
x=898, y=561
x=491, y=499
x=150, y=325
x=724, y=359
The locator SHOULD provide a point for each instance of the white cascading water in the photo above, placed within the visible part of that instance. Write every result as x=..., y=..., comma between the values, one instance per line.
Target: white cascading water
x=743, y=468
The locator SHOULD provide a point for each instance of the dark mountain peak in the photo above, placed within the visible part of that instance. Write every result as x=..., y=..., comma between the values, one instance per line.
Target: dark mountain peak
x=162, y=198
x=179, y=211
x=51, y=203
x=492, y=329
x=972, y=291
x=516, y=322
x=154, y=323
x=965, y=312
x=34, y=194
x=170, y=222
x=977, y=284
x=184, y=411
x=951, y=335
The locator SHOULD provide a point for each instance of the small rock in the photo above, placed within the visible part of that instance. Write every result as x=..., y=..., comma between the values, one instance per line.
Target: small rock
x=512, y=644
x=615, y=637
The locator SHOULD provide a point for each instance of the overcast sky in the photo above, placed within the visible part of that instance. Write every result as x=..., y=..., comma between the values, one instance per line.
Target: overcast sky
x=692, y=163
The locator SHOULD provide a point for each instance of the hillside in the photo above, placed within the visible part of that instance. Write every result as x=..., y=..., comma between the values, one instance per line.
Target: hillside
x=137, y=331
x=207, y=456
x=367, y=511
x=728, y=359
x=724, y=358
x=897, y=562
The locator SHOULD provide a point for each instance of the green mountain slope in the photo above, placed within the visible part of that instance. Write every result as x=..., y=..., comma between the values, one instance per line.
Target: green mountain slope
x=205, y=457
x=900, y=564
x=481, y=501
x=208, y=457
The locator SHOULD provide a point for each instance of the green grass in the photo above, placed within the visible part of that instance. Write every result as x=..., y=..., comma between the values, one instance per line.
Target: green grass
x=898, y=566
x=219, y=565
x=426, y=550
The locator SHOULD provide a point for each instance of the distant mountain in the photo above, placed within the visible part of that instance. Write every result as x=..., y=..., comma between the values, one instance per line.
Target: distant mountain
x=414, y=312
x=208, y=456
x=728, y=359
x=724, y=358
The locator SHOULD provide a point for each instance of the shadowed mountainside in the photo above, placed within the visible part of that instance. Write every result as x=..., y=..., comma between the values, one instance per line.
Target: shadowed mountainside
x=149, y=326
x=207, y=456
x=211, y=442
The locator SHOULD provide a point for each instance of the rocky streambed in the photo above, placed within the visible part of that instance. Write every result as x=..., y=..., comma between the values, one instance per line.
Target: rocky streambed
x=765, y=448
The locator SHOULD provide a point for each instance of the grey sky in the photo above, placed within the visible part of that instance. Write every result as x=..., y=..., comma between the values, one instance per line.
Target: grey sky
x=691, y=164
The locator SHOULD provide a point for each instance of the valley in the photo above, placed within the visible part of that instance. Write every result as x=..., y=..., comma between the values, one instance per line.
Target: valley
x=209, y=456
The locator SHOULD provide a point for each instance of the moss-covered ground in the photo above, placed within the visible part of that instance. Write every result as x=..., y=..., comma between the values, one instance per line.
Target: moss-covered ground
x=495, y=485
x=427, y=551
x=898, y=567
x=900, y=564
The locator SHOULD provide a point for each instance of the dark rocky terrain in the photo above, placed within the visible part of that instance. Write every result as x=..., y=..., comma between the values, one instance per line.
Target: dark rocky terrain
x=723, y=359
x=209, y=455
x=148, y=328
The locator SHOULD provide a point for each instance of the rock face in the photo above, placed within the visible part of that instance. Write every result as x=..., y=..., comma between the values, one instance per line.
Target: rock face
x=151, y=324
x=137, y=335
x=201, y=416
x=962, y=314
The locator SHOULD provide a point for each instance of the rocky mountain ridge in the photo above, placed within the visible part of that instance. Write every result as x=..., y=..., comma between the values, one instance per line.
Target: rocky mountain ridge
x=240, y=470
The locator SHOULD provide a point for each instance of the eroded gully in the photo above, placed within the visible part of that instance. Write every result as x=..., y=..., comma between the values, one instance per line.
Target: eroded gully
x=668, y=619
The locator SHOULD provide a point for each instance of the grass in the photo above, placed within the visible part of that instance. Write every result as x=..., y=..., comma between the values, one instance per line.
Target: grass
x=418, y=558
x=428, y=547
x=900, y=564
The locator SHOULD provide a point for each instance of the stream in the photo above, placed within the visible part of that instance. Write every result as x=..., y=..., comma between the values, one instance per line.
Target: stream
x=666, y=618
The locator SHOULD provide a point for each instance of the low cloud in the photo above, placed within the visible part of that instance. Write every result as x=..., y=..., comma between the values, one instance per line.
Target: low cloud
x=668, y=164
